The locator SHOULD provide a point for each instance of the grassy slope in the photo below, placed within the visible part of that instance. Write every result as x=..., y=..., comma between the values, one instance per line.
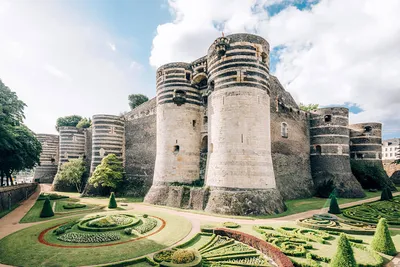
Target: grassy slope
x=37, y=254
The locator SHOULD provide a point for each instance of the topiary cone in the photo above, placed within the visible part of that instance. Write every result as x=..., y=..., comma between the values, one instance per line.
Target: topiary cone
x=384, y=195
x=334, y=206
x=382, y=241
x=47, y=211
x=112, y=204
x=344, y=256
x=389, y=193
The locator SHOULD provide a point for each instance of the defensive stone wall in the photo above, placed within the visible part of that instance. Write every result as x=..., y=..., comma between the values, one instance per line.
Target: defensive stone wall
x=330, y=153
x=366, y=155
x=11, y=195
x=49, y=158
x=140, y=148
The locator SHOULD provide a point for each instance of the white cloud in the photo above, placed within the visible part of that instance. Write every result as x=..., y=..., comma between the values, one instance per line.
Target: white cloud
x=336, y=52
x=60, y=63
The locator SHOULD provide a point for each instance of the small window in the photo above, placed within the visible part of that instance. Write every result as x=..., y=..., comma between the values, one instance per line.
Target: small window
x=188, y=76
x=379, y=155
x=194, y=123
x=242, y=138
x=328, y=118
x=176, y=149
x=368, y=129
x=284, y=130
x=318, y=150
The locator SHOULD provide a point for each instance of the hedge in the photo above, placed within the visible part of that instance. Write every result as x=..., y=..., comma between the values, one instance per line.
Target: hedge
x=47, y=210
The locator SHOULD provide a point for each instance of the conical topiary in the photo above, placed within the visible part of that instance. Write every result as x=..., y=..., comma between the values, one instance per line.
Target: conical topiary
x=333, y=206
x=389, y=192
x=112, y=204
x=382, y=241
x=344, y=256
x=47, y=211
x=384, y=195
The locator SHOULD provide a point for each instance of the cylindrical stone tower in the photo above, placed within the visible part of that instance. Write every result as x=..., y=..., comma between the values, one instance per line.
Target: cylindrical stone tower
x=108, y=132
x=47, y=169
x=330, y=158
x=178, y=130
x=72, y=143
x=366, y=155
x=240, y=172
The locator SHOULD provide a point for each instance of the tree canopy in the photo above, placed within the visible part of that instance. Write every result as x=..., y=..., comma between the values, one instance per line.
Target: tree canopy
x=308, y=107
x=136, y=100
x=72, y=121
x=109, y=173
x=84, y=123
x=71, y=173
x=19, y=147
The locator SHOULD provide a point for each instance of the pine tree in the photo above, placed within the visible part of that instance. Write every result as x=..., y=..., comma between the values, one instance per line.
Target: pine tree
x=333, y=206
x=47, y=211
x=112, y=204
x=384, y=195
x=382, y=241
x=344, y=256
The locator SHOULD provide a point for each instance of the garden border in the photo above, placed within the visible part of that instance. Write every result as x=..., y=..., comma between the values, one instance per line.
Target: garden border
x=43, y=241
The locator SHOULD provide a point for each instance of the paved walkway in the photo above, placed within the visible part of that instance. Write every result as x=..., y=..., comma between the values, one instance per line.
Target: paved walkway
x=9, y=224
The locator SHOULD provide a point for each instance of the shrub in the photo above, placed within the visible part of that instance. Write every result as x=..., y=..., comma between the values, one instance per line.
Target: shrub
x=128, y=231
x=63, y=228
x=182, y=256
x=73, y=206
x=145, y=215
x=164, y=255
x=112, y=204
x=382, y=241
x=389, y=192
x=344, y=256
x=43, y=196
x=384, y=195
x=333, y=206
x=231, y=225
x=47, y=211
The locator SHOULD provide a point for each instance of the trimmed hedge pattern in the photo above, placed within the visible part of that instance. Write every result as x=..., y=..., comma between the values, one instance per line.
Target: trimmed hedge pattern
x=74, y=237
x=108, y=223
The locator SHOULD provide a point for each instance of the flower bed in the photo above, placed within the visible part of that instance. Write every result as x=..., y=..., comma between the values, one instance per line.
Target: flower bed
x=74, y=237
x=147, y=225
x=108, y=223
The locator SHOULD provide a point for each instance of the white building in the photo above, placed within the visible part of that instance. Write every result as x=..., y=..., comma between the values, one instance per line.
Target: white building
x=391, y=149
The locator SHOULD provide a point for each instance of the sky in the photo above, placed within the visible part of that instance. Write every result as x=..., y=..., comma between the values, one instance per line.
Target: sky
x=85, y=57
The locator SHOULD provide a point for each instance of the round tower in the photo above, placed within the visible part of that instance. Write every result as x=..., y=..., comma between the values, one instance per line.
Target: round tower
x=108, y=132
x=240, y=172
x=72, y=143
x=330, y=153
x=366, y=155
x=47, y=169
x=178, y=130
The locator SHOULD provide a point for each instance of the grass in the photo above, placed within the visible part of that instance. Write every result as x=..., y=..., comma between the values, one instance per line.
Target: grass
x=5, y=212
x=33, y=215
x=37, y=254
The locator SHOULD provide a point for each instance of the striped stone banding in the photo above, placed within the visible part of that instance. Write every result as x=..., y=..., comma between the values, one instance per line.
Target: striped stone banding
x=329, y=154
x=72, y=143
x=237, y=62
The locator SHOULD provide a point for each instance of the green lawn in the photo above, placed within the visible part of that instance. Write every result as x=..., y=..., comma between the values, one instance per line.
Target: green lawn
x=33, y=214
x=23, y=248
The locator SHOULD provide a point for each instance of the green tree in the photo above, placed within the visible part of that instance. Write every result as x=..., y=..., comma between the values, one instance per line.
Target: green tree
x=382, y=241
x=308, y=107
x=47, y=210
x=84, y=123
x=71, y=173
x=112, y=204
x=109, y=173
x=344, y=256
x=334, y=206
x=136, y=100
x=72, y=121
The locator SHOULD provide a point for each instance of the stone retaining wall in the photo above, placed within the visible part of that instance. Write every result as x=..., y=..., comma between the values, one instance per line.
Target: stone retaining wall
x=14, y=194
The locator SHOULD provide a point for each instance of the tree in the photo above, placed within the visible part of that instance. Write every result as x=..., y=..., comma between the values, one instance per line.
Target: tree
x=136, y=100
x=382, y=241
x=109, y=173
x=71, y=173
x=333, y=206
x=47, y=210
x=112, y=204
x=344, y=256
x=84, y=123
x=72, y=121
x=308, y=107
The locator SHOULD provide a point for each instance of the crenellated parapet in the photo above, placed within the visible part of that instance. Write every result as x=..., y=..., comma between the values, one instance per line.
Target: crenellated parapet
x=49, y=158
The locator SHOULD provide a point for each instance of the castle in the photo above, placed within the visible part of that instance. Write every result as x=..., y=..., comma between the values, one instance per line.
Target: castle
x=222, y=135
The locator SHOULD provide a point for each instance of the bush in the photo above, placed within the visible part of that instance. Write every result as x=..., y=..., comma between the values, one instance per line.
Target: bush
x=73, y=206
x=145, y=215
x=43, y=196
x=128, y=231
x=389, y=192
x=182, y=256
x=333, y=206
x=47, y=211
x=231, y=225
x=63, y=228
x=112, y=204
x=164, y=255
x=382, y=241
x=344, y=256
x=384, y=195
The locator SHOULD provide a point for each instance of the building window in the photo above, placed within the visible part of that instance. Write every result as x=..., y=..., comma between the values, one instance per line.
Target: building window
x=205, y=119
x=284, y=130
x=391, y=154
x=379, y=155
x=242, y=138
x=176, y=149
x=318, y=150
x=194, y=123
x=328, y=118
x=368, y=129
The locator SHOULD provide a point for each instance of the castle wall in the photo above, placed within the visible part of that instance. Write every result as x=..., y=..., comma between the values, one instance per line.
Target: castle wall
x=330, y=158
x=49, y=158
x=140, y=148
x=366, y=155
x=291, y=153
